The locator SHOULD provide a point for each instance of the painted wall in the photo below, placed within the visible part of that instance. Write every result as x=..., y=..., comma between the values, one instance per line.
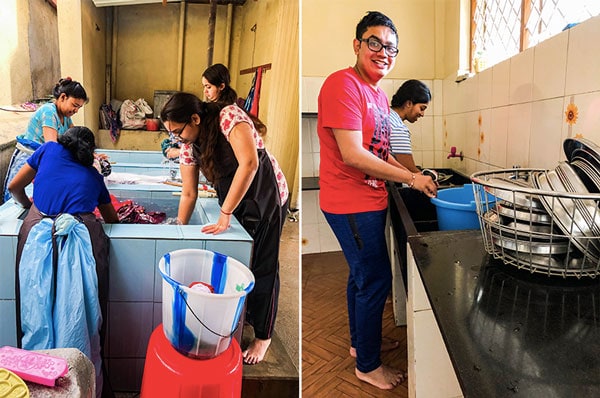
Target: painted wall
x=153, y=51
x=147, y=41
x=81, y=37
x=43, y=44
x=329, y=27
x=29, y=37
x=275, y=42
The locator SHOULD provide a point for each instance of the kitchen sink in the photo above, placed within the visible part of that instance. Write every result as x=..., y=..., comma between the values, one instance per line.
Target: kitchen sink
x=412, y=212
x=421, y=211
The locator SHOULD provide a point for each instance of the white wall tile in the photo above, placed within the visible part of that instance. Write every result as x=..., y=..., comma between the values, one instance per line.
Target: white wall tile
x=305, y=95
x=546, y=141
x=437, y=93
x=387, y=85
x=316, y=146
x=498, y=136
x=484, y=123
x=316, y=163
x=500, y=83
x=427, y=133
x=454, y=133
x=583, y=58
x=310, y=92
x=416, y=133
x=428, y=159
x=438, y=133
x=396, y=83
x=439, y=158
x=310, y=207
x=519, y=132
x=484, y=89
x=306, y=135
x=310, y=239
x=418, y=158
x=521, y=77
x=308, y=166
x=449, y=100
x=549, y=67
x=588, y=119
x=469, y=93
x=328, y=241
x=471, y=146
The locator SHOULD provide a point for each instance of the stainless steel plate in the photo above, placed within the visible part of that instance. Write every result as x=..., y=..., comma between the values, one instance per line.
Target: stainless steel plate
x=588, y=167
x=568, y=218
x=539, y=216
x=572, y=144
x=506, y=191
x=526, y=246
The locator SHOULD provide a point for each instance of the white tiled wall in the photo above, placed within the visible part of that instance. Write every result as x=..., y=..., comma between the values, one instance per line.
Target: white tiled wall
x=317, y=237
x=521, y=103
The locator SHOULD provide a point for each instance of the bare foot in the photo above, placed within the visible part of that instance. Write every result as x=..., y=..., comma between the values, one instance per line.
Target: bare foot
x=256, y=351
x=383, y=377
x=386, y=345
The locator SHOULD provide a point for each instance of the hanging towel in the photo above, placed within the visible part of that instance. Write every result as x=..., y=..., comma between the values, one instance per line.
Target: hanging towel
x=248, y=102
x=256, y=99
x=251, y=103
x=59, y=304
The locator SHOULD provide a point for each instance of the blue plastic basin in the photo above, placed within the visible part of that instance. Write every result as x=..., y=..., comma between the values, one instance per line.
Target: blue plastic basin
x=456, y=208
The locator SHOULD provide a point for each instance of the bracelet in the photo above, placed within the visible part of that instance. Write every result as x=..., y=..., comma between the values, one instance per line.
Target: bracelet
x=224, y=212
x=412, y=182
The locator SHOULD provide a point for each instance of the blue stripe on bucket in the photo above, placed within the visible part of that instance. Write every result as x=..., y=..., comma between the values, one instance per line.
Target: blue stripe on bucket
x=167, y=258
x=238, y=312
x=218, y=276
x=183, y=336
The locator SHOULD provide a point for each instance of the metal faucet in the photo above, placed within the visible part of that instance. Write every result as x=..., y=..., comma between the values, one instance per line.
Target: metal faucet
x=453, y=154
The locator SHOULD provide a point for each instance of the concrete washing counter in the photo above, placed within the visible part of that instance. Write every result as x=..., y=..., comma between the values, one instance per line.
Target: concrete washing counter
x=135, y=286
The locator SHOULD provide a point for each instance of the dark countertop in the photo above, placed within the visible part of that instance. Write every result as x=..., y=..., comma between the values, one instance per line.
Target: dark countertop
x=510, y=333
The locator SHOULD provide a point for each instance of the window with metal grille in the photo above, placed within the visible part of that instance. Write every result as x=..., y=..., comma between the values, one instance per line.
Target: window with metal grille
x=503, y=28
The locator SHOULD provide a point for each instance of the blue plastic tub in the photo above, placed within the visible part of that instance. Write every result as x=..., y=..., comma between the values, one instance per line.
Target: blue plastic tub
x=456, y=208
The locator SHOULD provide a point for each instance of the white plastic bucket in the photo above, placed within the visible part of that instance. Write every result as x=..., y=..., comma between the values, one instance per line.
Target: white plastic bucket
x=200, y=324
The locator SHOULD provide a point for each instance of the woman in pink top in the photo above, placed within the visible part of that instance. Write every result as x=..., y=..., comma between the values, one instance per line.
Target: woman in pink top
x=222, y=141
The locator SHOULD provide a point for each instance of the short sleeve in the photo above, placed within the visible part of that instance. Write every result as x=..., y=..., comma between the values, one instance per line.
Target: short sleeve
x=233, y=115
x=186, y=155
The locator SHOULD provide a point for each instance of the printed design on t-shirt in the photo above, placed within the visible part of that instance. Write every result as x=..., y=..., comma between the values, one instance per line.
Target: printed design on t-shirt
x=380, y=141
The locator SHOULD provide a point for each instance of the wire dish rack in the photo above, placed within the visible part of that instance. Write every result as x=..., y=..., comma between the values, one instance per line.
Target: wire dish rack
x=544, y=221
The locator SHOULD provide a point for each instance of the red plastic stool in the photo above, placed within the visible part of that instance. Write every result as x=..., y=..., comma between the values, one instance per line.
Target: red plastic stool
x=167, y=373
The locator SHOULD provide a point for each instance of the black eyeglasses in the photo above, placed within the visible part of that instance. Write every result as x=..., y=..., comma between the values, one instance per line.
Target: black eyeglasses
x=375, y=45
x=176, y=134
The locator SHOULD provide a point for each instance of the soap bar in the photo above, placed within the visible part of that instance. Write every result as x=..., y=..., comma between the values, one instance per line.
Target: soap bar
x=12, y=386
x=33, y=366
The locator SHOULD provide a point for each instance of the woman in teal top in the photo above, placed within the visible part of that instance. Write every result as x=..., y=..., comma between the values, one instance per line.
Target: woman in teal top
x=47, y=123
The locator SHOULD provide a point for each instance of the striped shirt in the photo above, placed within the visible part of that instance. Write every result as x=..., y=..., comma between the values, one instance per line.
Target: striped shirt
x=399, y=135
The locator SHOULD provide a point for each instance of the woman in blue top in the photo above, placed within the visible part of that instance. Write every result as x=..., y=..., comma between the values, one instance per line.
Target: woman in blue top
x=47, y=123
x=65, y=183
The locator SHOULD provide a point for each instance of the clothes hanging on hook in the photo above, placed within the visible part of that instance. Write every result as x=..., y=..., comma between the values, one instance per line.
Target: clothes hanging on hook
x=253, y=99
